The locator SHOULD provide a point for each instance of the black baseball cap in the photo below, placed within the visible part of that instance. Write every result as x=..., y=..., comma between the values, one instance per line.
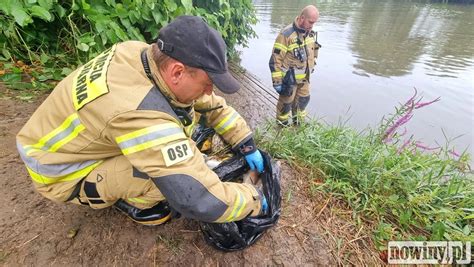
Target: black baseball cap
x=191, y=41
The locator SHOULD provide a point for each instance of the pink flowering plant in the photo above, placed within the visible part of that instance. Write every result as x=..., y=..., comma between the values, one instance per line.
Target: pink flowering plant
x=407, y=189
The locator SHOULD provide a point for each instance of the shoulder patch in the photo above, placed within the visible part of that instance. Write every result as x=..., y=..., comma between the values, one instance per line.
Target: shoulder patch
x=177, y=152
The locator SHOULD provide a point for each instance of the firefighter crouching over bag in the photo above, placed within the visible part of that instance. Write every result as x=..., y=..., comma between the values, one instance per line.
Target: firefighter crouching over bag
x=117, y=131
x=293, y=59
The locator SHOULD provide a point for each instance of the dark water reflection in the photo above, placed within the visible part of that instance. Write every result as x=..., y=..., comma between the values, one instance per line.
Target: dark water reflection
x=374, y=53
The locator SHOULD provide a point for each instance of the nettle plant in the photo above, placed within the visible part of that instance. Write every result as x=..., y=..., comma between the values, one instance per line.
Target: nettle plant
x=57, y=34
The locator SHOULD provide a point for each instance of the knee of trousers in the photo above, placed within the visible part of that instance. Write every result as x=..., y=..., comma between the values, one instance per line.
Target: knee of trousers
x=58, y=192
x=117, y=179
x=301, y=103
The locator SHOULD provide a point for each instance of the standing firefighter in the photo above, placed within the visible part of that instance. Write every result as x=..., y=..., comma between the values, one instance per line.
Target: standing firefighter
x=293, y=59
x=117, y=131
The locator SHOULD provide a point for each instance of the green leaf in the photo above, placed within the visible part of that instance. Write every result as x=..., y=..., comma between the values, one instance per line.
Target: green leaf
x=66, y=71
x=22, y=86
x=437, y=231
x=466, y=230
x=75, y=6
x=16, y=70
x=136, y=34
x=170, y=5
x=25, y=97
x=46, y=4
x=40, y=12
x=21, y=17
x=83, y=47
x=8, y=56
x=121, y=11
x=188, y=5
x=469, y=217
x=44, y=58
x=60, y=10
x=42, y=77
x=150, y=4
x=11, y=77
x=158, y=17
x=85, y=5
x=118, y=31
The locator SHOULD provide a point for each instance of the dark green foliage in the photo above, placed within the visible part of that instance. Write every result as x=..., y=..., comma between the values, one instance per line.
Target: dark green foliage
x=59, y=33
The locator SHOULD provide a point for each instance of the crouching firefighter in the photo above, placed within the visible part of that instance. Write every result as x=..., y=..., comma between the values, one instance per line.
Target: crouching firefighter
x=293, y=59
x=116, y=131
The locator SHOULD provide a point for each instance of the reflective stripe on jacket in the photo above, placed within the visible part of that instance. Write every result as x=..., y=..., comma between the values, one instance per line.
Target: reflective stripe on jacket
x=109, y=107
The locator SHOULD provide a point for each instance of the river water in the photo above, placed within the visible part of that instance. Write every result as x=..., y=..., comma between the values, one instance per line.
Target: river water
x=374, y=53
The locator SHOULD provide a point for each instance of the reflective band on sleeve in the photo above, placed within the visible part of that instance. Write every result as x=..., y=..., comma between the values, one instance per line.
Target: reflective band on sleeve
x=149, y=137
x=52, y=170
x=309, y=40
x=73, y=176
x=227, y=123
x=293, y=46
x=239, y=205
x=280, y=46
x=68, y=130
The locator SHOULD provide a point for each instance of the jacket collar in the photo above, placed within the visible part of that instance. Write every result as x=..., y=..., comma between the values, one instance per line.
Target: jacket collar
x=298, y=29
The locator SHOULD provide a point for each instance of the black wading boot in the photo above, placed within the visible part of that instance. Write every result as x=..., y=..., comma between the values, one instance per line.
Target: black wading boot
x=156, y=215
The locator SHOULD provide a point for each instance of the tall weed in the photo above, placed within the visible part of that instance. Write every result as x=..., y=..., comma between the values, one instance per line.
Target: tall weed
x=405, y=191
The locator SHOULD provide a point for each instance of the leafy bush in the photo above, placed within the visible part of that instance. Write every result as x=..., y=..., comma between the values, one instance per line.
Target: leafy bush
x=70, y=32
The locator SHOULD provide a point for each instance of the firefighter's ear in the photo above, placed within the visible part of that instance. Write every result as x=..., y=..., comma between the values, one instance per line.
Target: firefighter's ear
x=176, y=72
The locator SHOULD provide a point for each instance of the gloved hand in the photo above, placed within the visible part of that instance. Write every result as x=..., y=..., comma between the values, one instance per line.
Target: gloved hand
x=277, y=88
x=255, y=160
x=252, y=155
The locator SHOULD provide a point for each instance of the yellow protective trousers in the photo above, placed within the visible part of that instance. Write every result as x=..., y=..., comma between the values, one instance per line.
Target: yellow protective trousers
x=293, y=105
x=114, y=179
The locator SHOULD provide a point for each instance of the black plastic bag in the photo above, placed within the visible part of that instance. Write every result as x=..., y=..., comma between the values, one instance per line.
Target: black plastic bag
x=288, y=83
x=202, y=136
x=232, y=169
x=238, y=235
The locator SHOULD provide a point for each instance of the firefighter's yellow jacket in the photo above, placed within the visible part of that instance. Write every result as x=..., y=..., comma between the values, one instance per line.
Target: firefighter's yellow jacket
x=293, y=48
x=109, y=107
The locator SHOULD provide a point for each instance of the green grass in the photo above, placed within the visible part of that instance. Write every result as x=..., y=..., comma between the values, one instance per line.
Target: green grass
x=404, y=194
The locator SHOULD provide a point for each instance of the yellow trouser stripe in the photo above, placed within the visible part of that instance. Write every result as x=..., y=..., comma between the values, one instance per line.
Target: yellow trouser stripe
x=277, y=74
x=283, y=117
x=138, y=200
x=73, y=176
